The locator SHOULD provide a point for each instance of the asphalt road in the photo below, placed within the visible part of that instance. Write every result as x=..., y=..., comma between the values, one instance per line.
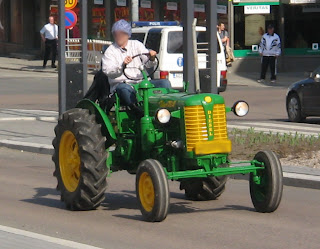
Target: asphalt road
x=34, y=90
x=30, y=202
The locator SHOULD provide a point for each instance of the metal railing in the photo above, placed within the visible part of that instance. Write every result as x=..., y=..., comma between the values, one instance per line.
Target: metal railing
x=73, y=51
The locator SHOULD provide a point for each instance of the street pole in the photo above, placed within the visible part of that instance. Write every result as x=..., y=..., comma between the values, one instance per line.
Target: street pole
x=62, y=61
x=188, y=59
x=84, y=36
x=212, y=39
x=134, y=13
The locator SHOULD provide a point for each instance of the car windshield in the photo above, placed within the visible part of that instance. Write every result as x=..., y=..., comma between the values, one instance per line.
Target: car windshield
x=138, y=36
x=175, y=42
x=315, y=72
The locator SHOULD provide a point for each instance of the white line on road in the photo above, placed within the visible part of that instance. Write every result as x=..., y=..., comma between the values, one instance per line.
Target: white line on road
x=287, y=126
x=281, y=131
x=301, y=176
x=46, y=238
x=28, y=119
x=27, y=144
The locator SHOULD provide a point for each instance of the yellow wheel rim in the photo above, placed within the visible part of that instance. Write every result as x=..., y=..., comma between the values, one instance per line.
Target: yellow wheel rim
x=69, y=160
x=146, y=191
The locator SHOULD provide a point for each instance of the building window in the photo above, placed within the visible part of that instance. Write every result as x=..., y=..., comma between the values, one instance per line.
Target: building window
x=248, y=28
x=301, y=25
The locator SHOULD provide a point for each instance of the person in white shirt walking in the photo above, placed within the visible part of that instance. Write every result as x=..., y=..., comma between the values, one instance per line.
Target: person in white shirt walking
x=49, y=35
x=120, y=54
x=270, y=50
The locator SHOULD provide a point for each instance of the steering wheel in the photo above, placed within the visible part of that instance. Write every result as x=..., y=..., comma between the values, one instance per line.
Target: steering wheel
x=126, y=68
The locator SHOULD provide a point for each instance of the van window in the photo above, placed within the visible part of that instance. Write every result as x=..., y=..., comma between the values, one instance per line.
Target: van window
x=175, y=42
x=138, y=36
x=154, y=39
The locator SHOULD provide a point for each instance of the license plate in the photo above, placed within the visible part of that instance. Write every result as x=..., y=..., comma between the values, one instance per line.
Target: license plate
x=177, y=75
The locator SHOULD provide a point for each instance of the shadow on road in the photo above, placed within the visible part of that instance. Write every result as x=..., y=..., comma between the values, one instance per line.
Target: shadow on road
x=43, y=198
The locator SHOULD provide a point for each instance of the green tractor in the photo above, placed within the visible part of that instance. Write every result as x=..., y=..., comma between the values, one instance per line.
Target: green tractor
x=181, y=137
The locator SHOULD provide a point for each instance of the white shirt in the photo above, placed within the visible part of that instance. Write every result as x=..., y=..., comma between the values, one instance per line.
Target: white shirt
x=112, y=62
x=50, y=31
x=270, y=45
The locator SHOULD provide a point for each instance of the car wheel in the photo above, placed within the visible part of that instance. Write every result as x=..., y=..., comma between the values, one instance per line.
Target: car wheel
x=294, y=108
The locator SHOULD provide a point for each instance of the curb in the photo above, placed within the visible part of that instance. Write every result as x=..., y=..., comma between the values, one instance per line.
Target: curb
x=292, y=180
x=27, y=70
x=27, y=146
x=289, y=178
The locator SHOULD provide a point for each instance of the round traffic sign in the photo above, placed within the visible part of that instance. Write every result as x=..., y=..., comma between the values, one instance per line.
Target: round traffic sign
x=70, y=19
x=70, y=4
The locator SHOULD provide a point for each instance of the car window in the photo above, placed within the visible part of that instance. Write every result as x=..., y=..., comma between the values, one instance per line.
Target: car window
x=154, y=39
x=138, y=36
x=317, y=71
x=175, y=42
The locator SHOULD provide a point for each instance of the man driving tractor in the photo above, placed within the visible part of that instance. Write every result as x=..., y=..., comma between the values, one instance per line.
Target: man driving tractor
x=121, y=53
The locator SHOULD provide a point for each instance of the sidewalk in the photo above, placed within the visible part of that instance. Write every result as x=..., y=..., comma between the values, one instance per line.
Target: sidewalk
x=234, y=79
x=33, y=131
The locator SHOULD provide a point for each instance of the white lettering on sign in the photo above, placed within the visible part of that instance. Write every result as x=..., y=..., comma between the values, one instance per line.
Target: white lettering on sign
x=221, y=9
x=172, y=6
x=257, y=9
x=122, y=2
x=303, y=1
x=199, y=8
x=145, y=4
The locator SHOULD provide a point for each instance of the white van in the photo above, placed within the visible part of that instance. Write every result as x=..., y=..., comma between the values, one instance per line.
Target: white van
x=166, y=38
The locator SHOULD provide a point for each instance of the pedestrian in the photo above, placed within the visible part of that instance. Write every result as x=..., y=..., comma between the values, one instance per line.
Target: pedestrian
x=270, y=49
x=49, y=35
x=224, y=35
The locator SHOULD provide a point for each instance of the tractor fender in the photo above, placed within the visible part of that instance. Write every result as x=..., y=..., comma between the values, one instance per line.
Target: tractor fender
x=101, y=118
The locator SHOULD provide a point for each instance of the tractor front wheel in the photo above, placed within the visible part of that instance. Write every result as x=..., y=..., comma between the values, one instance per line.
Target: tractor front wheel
x=80, y=160
x=152, y=190
x=266, y=190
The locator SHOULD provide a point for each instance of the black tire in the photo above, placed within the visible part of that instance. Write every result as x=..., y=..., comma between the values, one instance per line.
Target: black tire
x=266, y=197
x=204, y=189
x=156, y=208
x=294, y=109
x=89, y=191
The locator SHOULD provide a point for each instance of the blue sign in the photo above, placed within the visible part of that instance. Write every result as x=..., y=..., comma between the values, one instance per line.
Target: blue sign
x=180, y=62
x=70, y=19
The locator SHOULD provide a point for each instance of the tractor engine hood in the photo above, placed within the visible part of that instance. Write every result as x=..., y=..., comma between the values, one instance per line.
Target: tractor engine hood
x=176, y=101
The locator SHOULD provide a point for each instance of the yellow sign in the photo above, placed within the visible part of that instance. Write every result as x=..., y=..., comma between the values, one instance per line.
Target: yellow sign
x=70, y=4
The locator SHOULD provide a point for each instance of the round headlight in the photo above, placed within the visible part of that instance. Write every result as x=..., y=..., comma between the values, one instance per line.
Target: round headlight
x=241, y=108
x=163, y=116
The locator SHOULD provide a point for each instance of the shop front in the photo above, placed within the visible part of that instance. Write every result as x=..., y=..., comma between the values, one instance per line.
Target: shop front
x=250, y=21
x=294, y=20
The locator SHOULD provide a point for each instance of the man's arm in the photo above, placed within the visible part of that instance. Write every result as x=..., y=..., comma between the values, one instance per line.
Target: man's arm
x=110, y=66
x=262, y=45
x=278, y=50
x=42, y=31
x=141, y=48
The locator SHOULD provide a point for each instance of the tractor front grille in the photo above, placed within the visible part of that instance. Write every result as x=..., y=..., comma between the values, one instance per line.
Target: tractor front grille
x=220, y=122
x=196, y=125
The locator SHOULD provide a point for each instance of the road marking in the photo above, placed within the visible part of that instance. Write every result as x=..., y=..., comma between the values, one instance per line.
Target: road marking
x=301, y=176
x=280, y=131
x=46, y=238
x=26, y=144
x=29, y=119
x=278, y=125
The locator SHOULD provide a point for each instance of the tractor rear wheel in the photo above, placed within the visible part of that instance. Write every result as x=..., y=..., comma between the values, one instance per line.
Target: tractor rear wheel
x=204, y=189
x=80, y=160
x=267, y=193
x=152, y=190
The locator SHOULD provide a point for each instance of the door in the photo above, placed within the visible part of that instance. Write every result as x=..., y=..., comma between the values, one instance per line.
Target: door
x=311, y=94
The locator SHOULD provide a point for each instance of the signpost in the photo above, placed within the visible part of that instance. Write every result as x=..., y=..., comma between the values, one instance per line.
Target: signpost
x=72, y=76
x=70, y=4
x=71, y=19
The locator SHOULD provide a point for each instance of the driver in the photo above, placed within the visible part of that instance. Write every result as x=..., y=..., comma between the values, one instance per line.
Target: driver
x=118, y=55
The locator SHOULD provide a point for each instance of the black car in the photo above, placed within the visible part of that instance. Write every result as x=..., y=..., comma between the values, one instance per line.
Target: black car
x=303, y=98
